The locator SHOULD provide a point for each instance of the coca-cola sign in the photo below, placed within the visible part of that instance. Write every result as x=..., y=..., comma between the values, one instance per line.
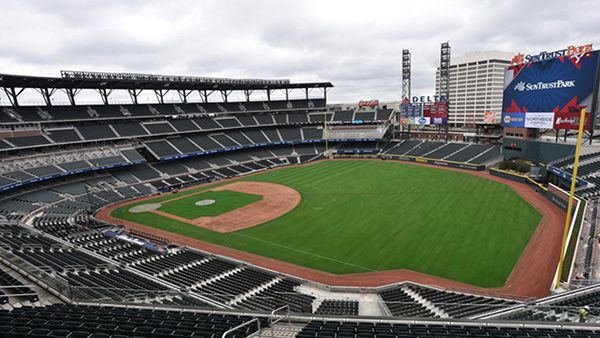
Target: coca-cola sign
x=368, y=103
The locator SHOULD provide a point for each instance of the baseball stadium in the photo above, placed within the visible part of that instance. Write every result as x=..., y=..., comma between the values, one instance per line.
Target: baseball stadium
x=280, y=214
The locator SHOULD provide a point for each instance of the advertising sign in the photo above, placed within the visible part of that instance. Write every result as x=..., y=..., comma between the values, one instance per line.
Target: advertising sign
x=539, y=120
x=570, y=120
x=516, y=120
x=422, y=121
x=552, y=89
x=425, y=99
x=489, y=117
x=438, y=121
x=519, y=58
x=368, y=103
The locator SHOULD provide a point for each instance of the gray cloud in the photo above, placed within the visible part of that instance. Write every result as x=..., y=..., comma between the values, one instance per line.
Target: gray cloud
x=354, y=44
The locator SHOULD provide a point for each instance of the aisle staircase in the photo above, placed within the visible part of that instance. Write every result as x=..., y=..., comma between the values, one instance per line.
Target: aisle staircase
x=281, y=330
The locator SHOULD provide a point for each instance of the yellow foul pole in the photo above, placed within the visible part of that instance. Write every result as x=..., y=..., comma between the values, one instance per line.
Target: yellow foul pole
x=325, y=134
x=571, y=197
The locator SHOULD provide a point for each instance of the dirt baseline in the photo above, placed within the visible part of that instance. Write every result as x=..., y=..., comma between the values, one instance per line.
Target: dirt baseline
x=531, y=277
x=277, y=200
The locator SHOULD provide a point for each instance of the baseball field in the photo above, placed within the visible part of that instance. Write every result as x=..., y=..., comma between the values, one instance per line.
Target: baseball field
x=354, y=216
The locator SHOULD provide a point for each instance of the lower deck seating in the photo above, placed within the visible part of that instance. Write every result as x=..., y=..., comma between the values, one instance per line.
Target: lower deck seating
x=566, y=309
x=11, y=286
x=89, y=278
x=338, y=329
x=279, y=294
x=338, y=308
x=402, y=301
x=453, y=151
x=75, y=321
x=458, y=305
x=401, y=304
x=236, y=284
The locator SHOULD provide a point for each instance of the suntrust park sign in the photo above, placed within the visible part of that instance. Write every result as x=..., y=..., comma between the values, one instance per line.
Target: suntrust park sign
x=520, y=59
x=523, y=86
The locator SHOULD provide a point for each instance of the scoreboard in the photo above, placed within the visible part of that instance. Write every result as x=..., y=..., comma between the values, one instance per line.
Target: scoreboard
x=411, y=109
x=426, y=113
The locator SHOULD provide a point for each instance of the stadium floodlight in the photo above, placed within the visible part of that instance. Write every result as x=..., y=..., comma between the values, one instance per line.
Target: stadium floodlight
x=406, y=72
x=87, y=75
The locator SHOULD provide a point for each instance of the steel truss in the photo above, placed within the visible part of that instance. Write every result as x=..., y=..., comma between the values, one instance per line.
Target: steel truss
x=73, y=82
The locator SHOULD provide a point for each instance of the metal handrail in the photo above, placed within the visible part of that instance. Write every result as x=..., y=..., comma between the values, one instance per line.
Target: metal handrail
x=242, y=325
x=273, y=322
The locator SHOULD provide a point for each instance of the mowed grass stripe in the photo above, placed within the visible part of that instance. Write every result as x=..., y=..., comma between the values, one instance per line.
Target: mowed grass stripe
x=357, y=216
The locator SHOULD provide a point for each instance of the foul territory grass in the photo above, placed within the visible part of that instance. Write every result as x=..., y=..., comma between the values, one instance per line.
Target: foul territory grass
x=363, y=216
x=225, y=200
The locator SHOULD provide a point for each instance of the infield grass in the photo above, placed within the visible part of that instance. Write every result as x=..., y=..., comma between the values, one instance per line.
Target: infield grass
x=364, y=216
x=225, y=201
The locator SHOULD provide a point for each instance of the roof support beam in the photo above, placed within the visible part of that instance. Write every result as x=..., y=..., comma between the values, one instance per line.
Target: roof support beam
x=225, y=94
x=183, y=95
x=13, y=95
x=247, y=93
x=133, y=94
x=47, y=94
x=204, y=94
x=268, y=94
x=160, y=95
x=104, y=94
x=71, y=94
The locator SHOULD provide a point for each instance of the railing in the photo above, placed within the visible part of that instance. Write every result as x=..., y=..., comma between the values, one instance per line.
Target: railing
x=43, y=276
x=242, y=325
x=273, y=321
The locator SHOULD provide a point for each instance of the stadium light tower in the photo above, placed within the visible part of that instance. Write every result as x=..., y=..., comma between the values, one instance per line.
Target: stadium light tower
x=406, y=65
x=445, y=78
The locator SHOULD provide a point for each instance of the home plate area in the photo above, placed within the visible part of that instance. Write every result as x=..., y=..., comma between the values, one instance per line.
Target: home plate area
x=230, y=207
x=202, y=203
x=138, y=209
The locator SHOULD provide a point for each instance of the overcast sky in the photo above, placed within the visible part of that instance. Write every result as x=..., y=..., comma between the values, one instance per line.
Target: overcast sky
x=356, y=45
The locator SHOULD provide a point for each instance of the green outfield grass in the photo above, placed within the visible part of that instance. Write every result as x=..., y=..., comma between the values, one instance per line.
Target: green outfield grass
x=225, y=200
x=363, y=216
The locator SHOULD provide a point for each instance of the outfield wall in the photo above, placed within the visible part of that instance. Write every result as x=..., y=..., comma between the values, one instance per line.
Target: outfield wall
x=442, y=163
x=518, y=177
x=417, y=159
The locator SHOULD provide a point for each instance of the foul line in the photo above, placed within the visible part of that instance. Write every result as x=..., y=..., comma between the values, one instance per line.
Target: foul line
x=306, y=253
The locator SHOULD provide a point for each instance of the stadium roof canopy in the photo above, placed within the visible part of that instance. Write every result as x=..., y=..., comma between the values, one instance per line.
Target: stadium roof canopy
x=74, y=81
